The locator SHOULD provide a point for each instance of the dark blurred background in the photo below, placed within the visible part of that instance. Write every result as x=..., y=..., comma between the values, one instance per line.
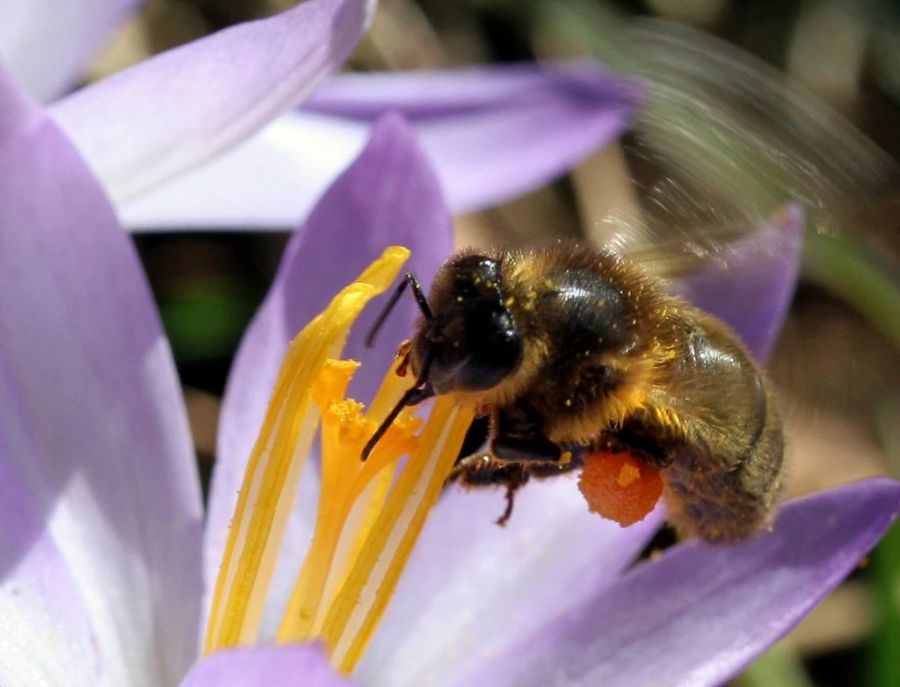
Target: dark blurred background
x=841, y=396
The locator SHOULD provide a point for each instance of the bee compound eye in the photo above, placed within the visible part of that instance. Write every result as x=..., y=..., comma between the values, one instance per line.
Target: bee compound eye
x=486, y=352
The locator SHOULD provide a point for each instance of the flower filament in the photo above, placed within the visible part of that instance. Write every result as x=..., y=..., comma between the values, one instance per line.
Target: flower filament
x=370, y=513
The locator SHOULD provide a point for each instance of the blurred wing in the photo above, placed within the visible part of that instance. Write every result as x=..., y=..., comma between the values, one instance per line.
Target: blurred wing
x=723, y=142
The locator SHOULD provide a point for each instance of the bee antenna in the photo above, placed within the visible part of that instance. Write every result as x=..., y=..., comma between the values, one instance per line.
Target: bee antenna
x=419, y=392
x=419, y=295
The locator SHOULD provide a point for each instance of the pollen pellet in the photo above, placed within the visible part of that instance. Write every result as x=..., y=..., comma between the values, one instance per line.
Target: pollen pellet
x=618, y=487
x=628, y=473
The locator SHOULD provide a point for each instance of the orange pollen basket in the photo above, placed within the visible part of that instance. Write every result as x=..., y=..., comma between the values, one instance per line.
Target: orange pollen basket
x=619, y=487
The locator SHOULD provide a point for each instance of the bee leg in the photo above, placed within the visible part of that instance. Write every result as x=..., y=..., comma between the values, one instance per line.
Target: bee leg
x=466, y=468
x=482, y=470
x=517, y=436
x=544, y=470
x=516, y=479
x=633, y=438
x=513, y=485
x=474, y=444
x=519, y=448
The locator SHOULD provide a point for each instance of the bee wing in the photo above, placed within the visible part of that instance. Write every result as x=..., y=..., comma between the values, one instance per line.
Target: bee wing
x=722, y=143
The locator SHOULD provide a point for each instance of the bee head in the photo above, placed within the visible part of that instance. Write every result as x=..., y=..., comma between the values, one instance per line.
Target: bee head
x=472, y=342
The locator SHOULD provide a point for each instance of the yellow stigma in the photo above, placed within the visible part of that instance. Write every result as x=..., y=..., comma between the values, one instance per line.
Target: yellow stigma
x=369, y=516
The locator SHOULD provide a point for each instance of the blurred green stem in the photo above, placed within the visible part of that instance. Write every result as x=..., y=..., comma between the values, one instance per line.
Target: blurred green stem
x=842, y=267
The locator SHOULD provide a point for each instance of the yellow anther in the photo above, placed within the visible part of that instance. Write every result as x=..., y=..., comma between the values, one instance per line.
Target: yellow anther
x=368, y=517
x=332, y=380
x=274, y=466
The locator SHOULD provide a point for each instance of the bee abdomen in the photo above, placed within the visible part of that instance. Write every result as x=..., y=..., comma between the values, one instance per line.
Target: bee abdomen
x=727, y=498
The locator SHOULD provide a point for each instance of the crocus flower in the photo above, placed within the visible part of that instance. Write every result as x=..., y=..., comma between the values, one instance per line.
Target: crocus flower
x=102, y=579
x=154, y=134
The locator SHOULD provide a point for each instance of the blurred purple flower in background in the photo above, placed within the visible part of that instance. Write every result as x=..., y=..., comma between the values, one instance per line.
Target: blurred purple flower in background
x=154, y=134
x=103, y=562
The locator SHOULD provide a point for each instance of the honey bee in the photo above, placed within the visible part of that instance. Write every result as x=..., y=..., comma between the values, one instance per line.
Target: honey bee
x=567, y=347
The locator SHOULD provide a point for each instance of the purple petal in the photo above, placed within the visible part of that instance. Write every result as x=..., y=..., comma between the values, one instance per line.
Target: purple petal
x=45, y=43
x=751, y=284
x=304, y=665
x=294, y=160
x=490, y=133
x=173, y=111
x=473, y=589
x=93, y=429
x=701, y=613
x=429, y=95
x=40, y=602
x=494, y=132
x=388, y=196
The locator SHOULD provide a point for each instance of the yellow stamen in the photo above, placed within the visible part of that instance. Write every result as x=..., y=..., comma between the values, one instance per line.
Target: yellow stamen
x=368, y=519
x=279, y=453
x=345, y=432
x=373, y=577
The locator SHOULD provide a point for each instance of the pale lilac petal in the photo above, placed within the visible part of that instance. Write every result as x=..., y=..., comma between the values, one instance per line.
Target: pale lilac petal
x=472, y=589
x=751, y=284
x=490, y=133
x=47, y=638
x=293, y=160
x=44, y=44
x=701, y=613
x=94, y=429
x=147, y=123
x=304, y=665
x=425, y=95
x=388, y=196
